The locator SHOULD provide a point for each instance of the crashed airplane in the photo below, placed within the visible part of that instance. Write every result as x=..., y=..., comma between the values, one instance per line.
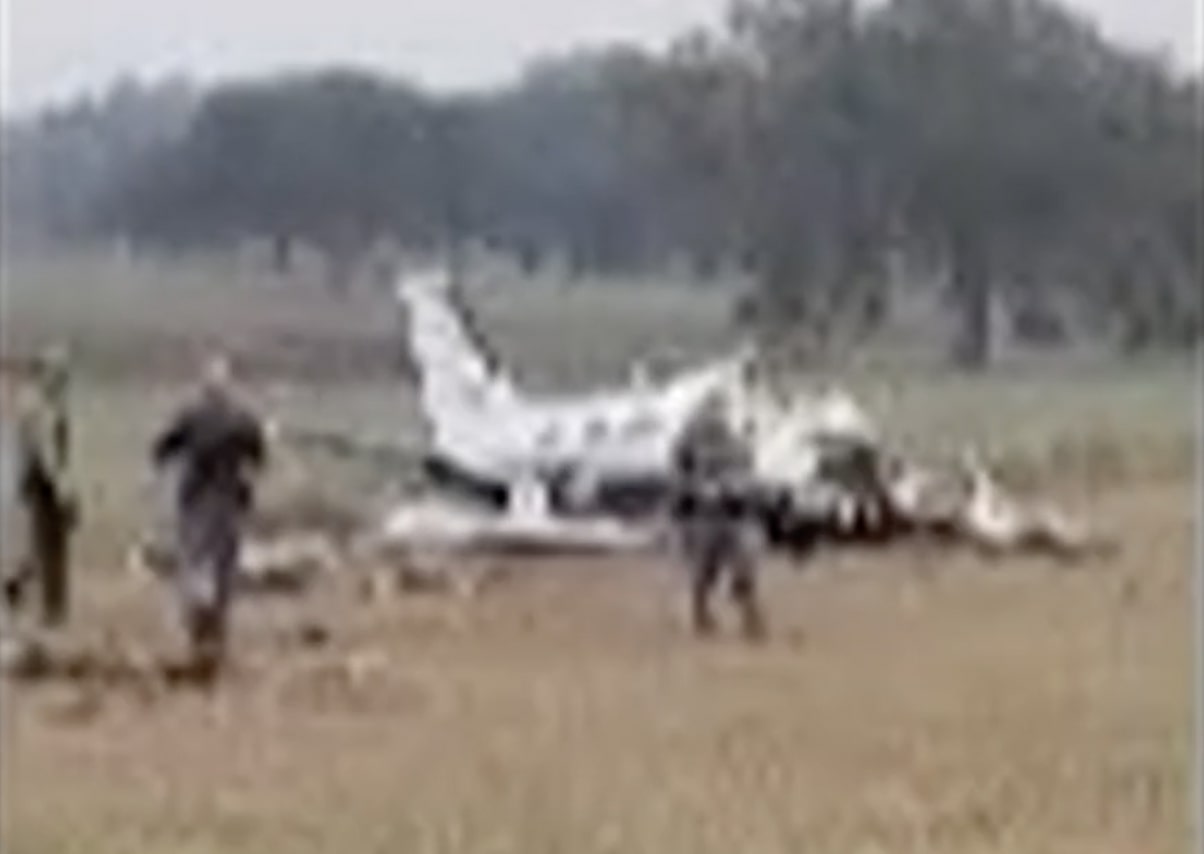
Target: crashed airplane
x=526, y=473
x=589, y=472
x=606, y=451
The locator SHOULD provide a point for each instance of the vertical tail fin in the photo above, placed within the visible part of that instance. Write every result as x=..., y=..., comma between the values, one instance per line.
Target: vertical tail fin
x=457, y=372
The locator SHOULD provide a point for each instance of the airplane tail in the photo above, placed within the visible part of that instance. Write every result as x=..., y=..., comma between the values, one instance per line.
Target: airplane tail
x=458, y=374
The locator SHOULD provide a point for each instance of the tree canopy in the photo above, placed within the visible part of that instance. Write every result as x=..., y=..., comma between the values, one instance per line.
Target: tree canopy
x=1002, y=138
x=1002, y=147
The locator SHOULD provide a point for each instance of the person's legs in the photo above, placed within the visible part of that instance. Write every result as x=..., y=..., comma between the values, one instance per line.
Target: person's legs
x=705, y=564
x=205, y=656
x=743, y=580
x=28, y=569
x=224, y=551
x=53, y=564
x=199, y=585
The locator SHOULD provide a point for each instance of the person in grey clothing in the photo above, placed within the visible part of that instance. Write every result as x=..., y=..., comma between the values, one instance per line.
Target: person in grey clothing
x=216, y=446
x=714, y=506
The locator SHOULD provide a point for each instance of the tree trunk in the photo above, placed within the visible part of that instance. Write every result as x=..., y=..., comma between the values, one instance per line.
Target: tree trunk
x=282, y=254
x=1136, y=335
x=972, y=291
x=705, y=263
x=344, y=249
x=529, y=257
x=340, y=268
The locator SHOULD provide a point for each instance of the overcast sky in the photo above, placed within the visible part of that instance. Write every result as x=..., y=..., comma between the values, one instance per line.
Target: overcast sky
x=54, y=48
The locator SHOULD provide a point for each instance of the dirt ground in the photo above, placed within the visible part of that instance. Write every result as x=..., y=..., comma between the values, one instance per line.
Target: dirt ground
x=906, y=701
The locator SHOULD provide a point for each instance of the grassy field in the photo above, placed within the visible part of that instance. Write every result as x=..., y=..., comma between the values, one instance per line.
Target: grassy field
x=907, y=701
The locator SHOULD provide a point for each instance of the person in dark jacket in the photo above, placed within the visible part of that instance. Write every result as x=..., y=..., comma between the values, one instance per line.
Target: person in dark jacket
x=216, y=446
x=714, y=506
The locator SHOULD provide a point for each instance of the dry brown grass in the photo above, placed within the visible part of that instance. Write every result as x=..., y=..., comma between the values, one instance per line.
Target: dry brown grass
x=910, y=702
x=906, y=701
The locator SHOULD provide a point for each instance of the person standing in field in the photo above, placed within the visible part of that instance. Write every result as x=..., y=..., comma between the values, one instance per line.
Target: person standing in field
x=713, y=506
x=216, y=446
x=49, y=507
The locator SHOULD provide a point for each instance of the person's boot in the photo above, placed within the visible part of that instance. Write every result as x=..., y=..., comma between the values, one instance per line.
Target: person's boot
x=207, y=648
x=15, y=586
x=702, y=620
x=752, y=621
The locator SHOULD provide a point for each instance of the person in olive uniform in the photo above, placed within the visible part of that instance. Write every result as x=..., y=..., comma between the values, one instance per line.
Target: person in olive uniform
x=714, y=505
x=44, y=488
x=216, y=446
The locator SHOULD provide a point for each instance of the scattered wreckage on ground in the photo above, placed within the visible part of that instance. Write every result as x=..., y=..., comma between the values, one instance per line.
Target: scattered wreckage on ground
x=833, y=477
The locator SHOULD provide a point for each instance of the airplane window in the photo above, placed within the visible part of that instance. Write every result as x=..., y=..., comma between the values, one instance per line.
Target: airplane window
x=595, y=429
x=641, y=425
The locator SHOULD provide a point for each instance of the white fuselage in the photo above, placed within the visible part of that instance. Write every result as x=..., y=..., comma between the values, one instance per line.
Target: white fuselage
x=480, y=423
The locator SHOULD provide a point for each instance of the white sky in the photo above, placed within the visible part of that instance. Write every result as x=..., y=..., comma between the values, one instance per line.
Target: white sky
x=50, y=49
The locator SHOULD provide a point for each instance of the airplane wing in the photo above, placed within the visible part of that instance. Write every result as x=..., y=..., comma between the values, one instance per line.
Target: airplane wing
x=439, y=524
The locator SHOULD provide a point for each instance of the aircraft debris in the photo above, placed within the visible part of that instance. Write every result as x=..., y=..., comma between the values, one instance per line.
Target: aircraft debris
x=284, y=565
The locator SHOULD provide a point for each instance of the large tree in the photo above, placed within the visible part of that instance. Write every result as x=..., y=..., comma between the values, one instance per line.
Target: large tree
x=1001, y=137
x=337, y=159
x=554, y=170
x=60, y=167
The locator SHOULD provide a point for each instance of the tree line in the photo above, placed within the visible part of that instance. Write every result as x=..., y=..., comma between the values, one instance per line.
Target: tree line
x=826, y=148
